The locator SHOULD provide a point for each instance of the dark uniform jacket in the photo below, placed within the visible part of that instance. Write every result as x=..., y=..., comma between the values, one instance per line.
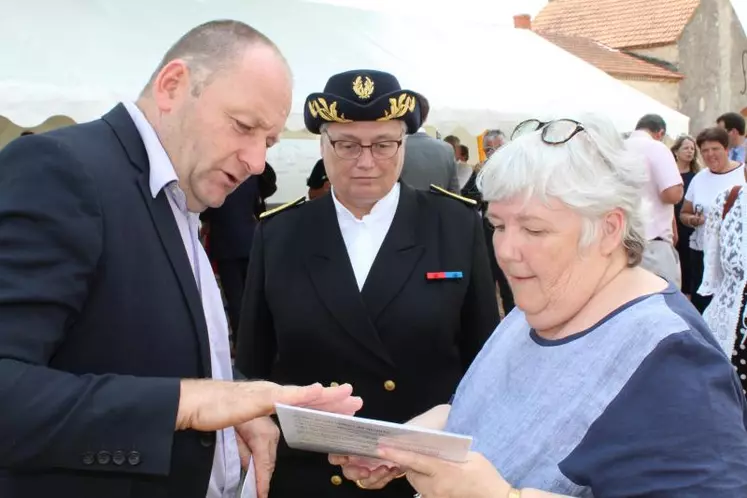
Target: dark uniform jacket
x=403, y=342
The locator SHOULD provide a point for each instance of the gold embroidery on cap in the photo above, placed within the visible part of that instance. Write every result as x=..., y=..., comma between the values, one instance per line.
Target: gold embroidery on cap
x=399, y=107
x=319, y=107
x=362, y=89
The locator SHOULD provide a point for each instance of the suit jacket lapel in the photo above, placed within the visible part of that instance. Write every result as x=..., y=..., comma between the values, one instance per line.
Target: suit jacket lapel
x=332, y=275
x=168, y=231
x=402, y=249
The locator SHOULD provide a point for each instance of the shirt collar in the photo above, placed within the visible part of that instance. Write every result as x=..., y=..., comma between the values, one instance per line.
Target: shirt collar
x=162, y=170
x=641, y=134
x=383, y=207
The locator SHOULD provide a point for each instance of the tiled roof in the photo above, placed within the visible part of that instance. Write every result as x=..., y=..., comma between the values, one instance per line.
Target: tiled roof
x=618, y=23
x=610, y=60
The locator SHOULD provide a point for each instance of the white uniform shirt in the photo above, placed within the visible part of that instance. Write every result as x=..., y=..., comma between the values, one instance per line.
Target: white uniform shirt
x=363, y=237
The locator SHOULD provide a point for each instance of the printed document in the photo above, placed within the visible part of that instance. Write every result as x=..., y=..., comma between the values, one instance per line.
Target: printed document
x=322, y=432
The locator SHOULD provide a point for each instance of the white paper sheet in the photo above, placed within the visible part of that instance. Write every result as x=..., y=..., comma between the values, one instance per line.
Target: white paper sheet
x=324, y=432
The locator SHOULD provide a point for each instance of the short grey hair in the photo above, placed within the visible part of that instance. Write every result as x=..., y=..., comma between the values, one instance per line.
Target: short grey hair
x=493, y=134
x=210, y=48
x=592, y=173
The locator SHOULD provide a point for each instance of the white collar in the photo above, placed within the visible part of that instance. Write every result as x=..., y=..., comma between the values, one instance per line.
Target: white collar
x=161, y=168
x=643, y=134
x=383, y=207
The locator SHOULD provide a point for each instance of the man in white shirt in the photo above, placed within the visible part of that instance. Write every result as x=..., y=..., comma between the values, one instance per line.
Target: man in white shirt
x=375, y=283
x=663, y=191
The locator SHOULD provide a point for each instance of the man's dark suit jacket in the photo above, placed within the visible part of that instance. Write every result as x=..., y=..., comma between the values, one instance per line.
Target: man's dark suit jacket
x=404, y=342
x=99, y=318
x=429, y=161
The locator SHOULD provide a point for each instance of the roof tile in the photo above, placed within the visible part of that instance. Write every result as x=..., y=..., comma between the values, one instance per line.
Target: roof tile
x=610, y=60
x=618, y=23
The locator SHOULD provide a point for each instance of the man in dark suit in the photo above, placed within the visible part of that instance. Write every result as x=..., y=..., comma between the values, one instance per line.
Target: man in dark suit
x=429, y=161
x=375, y=283
x=115, y=376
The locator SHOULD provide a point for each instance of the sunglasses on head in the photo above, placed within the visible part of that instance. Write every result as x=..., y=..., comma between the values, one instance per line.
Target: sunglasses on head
x=555, y=132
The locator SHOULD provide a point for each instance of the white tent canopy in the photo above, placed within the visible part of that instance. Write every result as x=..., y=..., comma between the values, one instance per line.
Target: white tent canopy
x=82, y=56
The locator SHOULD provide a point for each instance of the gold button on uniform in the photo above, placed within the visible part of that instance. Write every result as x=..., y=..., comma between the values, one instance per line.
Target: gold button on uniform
x=336, y=480
x=334, y=384
x=390, y=385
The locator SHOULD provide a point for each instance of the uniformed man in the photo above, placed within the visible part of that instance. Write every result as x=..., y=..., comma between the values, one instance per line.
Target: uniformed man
x=374, y=283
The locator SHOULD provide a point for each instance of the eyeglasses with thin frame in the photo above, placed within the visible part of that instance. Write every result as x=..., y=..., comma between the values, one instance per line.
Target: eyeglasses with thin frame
x=347, y=149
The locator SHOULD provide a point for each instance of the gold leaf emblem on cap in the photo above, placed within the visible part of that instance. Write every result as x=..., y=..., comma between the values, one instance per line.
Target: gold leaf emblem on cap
x=363, y=88
x=320, y=108
x=399, y=107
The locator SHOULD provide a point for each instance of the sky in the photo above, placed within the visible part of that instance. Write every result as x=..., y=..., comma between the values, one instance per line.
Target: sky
x=492, y=11
x=499, y=12
x=741, y=7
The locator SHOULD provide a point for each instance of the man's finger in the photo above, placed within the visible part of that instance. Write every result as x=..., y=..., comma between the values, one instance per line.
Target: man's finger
x=380, y=478
x=273, y=449
x=244, y=452
x=338, y=459
x=331, y=395
x=348, y=406
x=298, y=396
x=421, y=464
x=354, y=473
x=264, y=466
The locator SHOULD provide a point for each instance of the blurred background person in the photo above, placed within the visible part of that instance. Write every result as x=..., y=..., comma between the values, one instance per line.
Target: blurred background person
x=229, y=230
x=662, y=191
x=689, y=163
x=267, y=184
x=734, y=125
x=720, y=174
x=318, y=182
x=455, y=142
x=429, y=161
x=492, y=141
x=464, y=169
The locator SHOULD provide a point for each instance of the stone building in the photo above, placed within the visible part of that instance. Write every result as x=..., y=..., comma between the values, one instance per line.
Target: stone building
x=689, y=54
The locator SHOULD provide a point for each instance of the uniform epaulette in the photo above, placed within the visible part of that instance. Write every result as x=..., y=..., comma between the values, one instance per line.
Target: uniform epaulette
x=274, y=211
x=438, y=190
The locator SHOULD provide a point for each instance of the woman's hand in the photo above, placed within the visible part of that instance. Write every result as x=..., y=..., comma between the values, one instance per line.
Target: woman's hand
x=368, y=473
x=372, y=473
x=436, y=478
x=696, y=220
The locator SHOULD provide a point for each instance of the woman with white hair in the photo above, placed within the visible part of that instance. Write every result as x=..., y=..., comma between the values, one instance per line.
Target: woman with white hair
x=604, y=381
